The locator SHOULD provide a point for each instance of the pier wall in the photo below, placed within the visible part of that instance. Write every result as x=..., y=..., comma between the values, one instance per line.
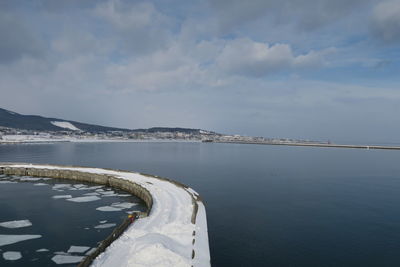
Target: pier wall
x=73, y=175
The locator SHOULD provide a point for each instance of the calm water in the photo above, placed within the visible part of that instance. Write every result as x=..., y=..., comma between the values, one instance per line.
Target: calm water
x=267, y=205
x=58, y=222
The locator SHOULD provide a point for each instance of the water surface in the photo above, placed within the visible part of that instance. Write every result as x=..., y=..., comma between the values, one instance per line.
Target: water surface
x=267, y=205
x=58, y=214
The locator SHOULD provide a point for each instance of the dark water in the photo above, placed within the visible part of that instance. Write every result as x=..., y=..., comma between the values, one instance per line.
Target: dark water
x=268, y=205
x=60, y=223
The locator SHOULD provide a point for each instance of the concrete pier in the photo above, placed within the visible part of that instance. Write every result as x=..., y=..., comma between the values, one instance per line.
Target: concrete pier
x=170, y=205
x=311, y=144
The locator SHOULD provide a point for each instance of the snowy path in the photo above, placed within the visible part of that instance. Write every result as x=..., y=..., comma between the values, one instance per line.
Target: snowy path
x=167, y=237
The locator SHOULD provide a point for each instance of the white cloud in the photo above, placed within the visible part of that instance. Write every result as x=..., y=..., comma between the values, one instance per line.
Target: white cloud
x=247, y=57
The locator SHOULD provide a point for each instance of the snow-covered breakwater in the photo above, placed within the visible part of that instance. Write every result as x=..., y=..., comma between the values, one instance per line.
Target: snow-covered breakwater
x=174, y=233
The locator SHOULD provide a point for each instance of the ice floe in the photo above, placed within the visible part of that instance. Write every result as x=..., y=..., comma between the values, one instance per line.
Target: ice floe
x=11, y=239
x=8, y=182
x=79, y=185
x=64, y=259
x=108, y=208
x=77, y=249
x=91, y=194
x=61, y=186
x=40, y=184
x=103, y=221
x=16, y=224
x=124, y=205
x=61, y=196
x=42, y=250
x=124, y=195
x=84, y=199
x=107, y=193
x=12, y=255
x=105, y=225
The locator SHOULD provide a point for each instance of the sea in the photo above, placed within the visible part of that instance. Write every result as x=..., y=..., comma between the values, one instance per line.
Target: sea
x=266, y=205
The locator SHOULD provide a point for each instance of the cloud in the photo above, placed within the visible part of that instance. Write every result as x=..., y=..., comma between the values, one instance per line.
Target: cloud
x=386, y=21
x=16, y=39
x=246, y=57
x=303, y=14
x=140, y=27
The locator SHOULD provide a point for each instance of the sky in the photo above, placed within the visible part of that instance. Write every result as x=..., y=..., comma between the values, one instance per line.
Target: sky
x=318, y=70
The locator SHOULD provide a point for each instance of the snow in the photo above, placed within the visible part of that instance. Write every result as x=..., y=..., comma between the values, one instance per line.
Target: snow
x=77, y=249
x=108, y=208
x=84, y=199
x=16, y=224
x=61, y=196
x=165, y=237
x=12, y=255
x=64, y=259
x=105, y=225
x=11, y=239
x=65, y=125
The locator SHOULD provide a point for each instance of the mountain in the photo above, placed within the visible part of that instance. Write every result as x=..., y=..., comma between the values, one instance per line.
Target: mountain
x=38, y=123
x=15, y=120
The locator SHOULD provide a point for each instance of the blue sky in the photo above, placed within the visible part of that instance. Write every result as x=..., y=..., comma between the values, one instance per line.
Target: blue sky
x=316, y=69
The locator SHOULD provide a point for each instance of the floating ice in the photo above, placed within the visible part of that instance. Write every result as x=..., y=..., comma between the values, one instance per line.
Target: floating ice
x=40, y=184
x=103, y=221
x=61, y=196
x=77, y=249
x=16, y=224
x=11, y=239
x=105, y=225
x=84, y=199
x=61, y=186
x=108, y=208
x=12, y=255
x=42, y=250
x=107, y=193
x=110, y=195
x=79, y=185
x=64, y=259
x=124, y=195
x=124, y=205
x=61, y=253
x=91, y=194
x=7, y=182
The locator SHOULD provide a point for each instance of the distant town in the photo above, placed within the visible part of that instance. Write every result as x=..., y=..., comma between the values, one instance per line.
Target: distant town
x=13, y=135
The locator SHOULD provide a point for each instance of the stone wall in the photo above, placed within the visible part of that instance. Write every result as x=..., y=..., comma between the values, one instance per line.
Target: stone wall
x=103, y=179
